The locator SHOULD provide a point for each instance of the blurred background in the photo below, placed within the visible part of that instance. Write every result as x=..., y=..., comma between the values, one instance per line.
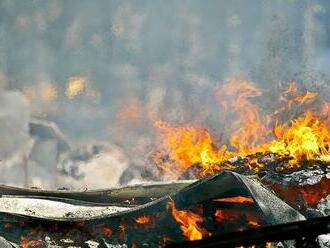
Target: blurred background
x=82, y=82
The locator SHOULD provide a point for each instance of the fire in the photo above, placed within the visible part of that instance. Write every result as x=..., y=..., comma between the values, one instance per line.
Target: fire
x=310, y=194
x=249, y=127
x=235, y=215
x=190, y=223
x=236, y=199
x=307, y=138
x=304, y=138
x=29, y=243
x=269, y=245
x=44, y=91
x=292, y=95
x=306, y=97
x=42, y=97
x=75, y=86
x=105, y=230
x=190, y=145
x=143, y=219
x=292, y=88
x=122, y=231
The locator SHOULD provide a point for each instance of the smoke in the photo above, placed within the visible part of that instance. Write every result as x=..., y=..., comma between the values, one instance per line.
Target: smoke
x=103, y=170
x=14, y=119
x=14, y=134
x=141, y=61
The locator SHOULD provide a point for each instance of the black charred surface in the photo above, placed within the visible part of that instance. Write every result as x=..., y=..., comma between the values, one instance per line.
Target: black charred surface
x=310, y=173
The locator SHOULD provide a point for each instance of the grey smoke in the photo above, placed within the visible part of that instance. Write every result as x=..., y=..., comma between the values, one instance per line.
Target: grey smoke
x=14, y=123
x=169, y=56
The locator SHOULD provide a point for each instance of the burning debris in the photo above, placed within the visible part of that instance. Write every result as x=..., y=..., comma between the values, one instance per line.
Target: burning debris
x=303, y=138
x=184, y=214
x=152, y=94
x=276, y=178
x=162, y=214
x=288, y=155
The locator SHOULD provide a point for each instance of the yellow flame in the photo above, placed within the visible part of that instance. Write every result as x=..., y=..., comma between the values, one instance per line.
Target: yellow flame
x=144, y=219
x=307, y=138
x=190, y=145
x=190, y=223
x=75, y=86
x=304, y=138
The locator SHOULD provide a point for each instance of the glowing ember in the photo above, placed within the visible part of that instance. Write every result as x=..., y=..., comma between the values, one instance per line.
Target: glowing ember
x=310, y=194
x=30, y=243
x=106, y=231
x=235, y=215
x=190, y=223
x=268, y=245
x=75, y=86
x=143, y=219
x=236, y=199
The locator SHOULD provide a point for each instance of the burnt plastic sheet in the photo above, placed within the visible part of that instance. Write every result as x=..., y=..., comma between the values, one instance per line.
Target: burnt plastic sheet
x=301, y=234
x=135, y=194
x=120, y=226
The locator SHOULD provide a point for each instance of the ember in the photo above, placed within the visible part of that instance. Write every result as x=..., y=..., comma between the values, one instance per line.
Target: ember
x=30, y=243
x=143, y=219
x=238, y=199
x=236, y=215
x=106, y=231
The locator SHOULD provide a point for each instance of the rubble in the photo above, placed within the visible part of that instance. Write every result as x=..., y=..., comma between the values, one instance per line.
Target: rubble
x=324, y=206
x=302, y=188
x=240, y=200
x=37, y=219
x=324, y=240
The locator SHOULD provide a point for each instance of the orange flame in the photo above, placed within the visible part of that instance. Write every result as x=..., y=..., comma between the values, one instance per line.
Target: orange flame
x=190, y=145
x=306, y=97
x=106, y=231
x=233, y=215
x=292, y=88
x=29, y=243
x=291, y=96
x=143, y=219
x=190, y=223
x=250, y=127
x=304, y=138
x=236, y=199
x=310, y=194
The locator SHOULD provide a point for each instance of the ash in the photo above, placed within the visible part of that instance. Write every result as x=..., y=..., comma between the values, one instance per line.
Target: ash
x=324, y=240
x=324, y=205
